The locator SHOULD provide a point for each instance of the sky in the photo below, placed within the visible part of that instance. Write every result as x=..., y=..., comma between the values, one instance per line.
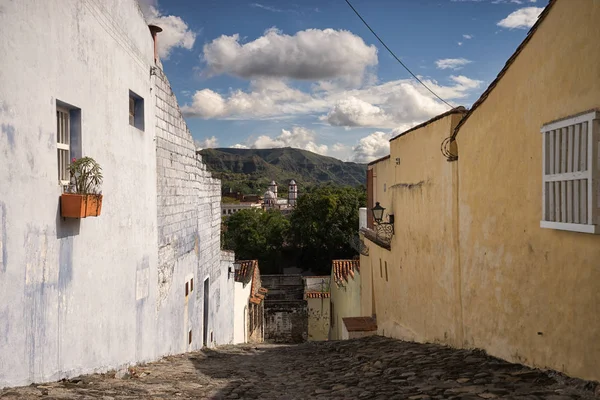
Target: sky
x=309, y=74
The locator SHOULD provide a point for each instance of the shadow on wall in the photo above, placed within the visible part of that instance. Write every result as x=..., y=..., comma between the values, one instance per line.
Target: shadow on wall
x=66, y=229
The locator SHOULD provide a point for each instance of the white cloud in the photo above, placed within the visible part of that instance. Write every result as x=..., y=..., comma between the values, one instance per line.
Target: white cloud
x=371, y=147
x=297, y=137
x=452, y=63
x=522, y=18
x=266, y=99
x=239, y=146
x=207, y=143
x=176, y=32
x=312, y=54
x=352, y=111
x=386, y=105
x=468, y=36
x=460, y=43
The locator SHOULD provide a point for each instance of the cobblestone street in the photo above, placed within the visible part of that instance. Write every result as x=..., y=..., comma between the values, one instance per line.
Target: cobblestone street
x=370, y=368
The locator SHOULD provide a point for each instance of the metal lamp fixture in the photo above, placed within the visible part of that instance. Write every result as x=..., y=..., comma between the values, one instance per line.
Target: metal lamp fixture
x=378, y=212
x=383, y=230
x=236, y=267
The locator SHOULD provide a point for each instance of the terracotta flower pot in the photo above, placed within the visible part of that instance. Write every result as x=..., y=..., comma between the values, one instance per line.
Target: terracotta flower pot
x=73, y=205
x=93, y=205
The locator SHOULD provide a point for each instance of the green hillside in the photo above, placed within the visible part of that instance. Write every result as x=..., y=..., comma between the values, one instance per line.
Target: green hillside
x=250, y=170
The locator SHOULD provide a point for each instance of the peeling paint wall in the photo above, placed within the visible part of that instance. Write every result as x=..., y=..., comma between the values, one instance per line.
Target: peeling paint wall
x=285, y=311
x=68, y=292
x=318, y=318
x=80, y=296
x=540, y=285
x=419, y=276
x=189, y=235
x=469, y=264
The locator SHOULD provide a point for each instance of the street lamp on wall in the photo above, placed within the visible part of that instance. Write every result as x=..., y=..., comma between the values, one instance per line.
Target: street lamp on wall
x=383, y=230
x=236, y=267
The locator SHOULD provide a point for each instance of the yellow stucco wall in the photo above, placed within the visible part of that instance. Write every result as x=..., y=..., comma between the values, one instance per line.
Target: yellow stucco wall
x=318, y=319
x=346, y=303
x=517, y=278
x=418, y=297
x=469, y=264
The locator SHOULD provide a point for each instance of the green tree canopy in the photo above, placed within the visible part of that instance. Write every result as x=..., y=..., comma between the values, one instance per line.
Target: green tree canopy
x=257, y=234
x=321, y=226
x=318, y=231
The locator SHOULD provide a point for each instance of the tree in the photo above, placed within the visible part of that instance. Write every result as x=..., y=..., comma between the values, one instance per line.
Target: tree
x=257, y=234
x=321, y=226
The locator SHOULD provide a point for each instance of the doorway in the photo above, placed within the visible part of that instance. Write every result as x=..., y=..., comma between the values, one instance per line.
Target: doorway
x=205, y=312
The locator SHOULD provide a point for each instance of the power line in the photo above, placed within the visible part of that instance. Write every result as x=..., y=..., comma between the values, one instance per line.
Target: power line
x=394, y=55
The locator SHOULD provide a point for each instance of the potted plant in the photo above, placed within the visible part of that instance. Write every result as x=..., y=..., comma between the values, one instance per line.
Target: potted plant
x=84, y=198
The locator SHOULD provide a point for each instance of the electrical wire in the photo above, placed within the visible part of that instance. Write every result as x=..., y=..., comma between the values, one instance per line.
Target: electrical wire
x=394, y=55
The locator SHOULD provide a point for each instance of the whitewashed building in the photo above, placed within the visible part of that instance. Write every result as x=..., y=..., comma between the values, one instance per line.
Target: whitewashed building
x=147, y=277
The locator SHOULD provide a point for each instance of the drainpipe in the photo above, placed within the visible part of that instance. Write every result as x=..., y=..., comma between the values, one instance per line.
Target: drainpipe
x=153, y=31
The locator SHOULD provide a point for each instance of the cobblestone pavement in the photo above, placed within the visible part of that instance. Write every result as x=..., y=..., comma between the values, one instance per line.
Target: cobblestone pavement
x=369, y=368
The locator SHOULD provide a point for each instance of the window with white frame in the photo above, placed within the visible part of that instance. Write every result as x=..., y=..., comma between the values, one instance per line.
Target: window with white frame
x=63, y=144
x=570, y=176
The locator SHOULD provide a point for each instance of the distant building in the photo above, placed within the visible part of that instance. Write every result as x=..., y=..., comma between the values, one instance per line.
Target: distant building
x=248, y=304
x=272, y=201
x=228, y=209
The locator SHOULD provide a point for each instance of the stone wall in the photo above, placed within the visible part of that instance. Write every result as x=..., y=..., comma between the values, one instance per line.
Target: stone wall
x=286, y=321
x=189, y=221
x=286, y=313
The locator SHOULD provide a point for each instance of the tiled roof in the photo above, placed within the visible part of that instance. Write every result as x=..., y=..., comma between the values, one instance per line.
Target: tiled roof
x=317, y=295
x=509, y=62
x=360, y=324
x=255, y=300
x=343, y=269
x=244, y=274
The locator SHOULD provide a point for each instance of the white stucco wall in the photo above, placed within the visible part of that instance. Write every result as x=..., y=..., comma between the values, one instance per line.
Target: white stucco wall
x=75, y=295
x=78, y=296
x=240, y=317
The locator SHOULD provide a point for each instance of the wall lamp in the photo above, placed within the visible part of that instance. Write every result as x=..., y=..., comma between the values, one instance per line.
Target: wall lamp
x=384, y=230
x=236, y=267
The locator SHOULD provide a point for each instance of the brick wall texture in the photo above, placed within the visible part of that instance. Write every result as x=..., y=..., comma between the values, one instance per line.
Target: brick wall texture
x=189, y=218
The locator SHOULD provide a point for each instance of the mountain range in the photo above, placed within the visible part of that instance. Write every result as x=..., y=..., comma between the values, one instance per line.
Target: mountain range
x=249, y=171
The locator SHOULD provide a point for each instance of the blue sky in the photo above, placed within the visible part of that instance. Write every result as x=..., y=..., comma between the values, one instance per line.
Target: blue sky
x=309, y=74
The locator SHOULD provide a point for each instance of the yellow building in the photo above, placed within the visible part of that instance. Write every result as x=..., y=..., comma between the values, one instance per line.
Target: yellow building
x=317, y=296
x=345, y=294
x=495, y=249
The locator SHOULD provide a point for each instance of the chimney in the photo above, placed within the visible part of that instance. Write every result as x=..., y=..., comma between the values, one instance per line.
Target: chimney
x=153, y=31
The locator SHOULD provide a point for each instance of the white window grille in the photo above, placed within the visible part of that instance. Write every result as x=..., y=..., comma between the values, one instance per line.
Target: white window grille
x=571, y=198
x=63, y=145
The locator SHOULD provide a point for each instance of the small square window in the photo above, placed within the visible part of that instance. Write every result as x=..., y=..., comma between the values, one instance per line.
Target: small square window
x=136, y=111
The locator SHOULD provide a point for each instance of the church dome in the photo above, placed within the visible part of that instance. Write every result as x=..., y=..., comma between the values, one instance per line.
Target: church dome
x=269, y=195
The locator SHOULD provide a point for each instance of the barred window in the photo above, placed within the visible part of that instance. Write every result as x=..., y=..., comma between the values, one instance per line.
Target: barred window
x=570, y=174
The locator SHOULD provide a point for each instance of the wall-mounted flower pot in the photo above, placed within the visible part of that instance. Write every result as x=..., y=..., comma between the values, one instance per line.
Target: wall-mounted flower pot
x=74, y=205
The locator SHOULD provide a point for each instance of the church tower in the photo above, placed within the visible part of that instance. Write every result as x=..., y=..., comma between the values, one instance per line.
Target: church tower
x=292, y=193
x=273, y=188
